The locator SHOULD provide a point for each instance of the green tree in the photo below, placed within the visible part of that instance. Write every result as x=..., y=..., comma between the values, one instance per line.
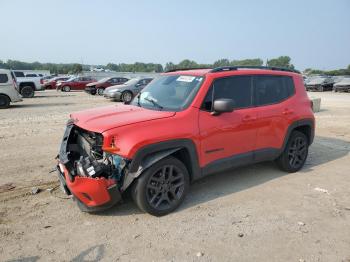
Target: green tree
x=187, y=64
x=221, y=62
x=282, y=61
x=76, y=68
x=247, y=62
x=169, y=66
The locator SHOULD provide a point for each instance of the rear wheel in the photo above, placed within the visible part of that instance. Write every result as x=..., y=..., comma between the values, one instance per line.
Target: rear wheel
x=100, y=91
x=294, y=155
x=66, y=89
x=27, y=92
x=162, y=187
x=126, y=97
x=4, y=102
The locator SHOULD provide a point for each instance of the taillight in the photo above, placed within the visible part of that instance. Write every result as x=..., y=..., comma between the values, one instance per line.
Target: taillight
x=41, y=81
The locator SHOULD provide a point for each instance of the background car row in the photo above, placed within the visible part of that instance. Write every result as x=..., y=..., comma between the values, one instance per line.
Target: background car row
x=327, y=83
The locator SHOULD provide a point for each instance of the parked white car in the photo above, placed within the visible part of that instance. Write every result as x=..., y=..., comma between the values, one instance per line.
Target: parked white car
x=8, y=89
x=27, y=85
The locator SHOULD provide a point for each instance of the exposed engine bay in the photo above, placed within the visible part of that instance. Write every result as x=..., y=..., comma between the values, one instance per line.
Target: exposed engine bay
x=82, y=154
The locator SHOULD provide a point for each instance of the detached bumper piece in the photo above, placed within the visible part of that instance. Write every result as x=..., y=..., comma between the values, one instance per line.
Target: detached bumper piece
x=92, y=194
x=85, y=171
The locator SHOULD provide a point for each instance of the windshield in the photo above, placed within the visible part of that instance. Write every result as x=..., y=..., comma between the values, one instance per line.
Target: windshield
x=169, y=93
x=131, y=81
x=103, y=80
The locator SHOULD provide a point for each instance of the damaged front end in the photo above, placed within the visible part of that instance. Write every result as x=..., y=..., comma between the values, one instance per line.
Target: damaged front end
x=93, y=176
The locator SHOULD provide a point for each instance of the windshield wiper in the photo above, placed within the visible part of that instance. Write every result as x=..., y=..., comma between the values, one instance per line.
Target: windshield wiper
x=150, y=99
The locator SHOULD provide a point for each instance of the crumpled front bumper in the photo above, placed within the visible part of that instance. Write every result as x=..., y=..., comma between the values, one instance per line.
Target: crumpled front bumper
x=93, y=194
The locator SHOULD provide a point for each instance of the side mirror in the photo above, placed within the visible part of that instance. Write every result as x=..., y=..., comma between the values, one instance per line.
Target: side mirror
x=222, y=105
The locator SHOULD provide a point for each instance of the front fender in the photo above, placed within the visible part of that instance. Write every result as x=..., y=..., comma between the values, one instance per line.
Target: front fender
x=145, y=163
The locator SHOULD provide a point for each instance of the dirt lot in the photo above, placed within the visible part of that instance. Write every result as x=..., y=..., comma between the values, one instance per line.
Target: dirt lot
x=283, y=217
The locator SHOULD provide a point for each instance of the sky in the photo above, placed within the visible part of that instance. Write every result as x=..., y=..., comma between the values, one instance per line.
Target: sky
x=315, y=34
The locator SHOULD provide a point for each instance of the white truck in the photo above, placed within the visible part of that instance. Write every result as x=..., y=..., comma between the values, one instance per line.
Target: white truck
x=27, y=85
x=8, y=89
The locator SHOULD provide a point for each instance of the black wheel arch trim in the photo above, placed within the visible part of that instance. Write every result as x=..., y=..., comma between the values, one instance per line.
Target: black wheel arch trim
x=150, y=154
x=299, y=123
x=167, y=145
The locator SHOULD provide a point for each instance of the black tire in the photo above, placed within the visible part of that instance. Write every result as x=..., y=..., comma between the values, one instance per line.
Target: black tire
x=294, y=155
x=27, y=92
x=100, y=91
x=162, y=187
x=66, y=89
x=93, y=92
x=4, y=102
x=126, y=97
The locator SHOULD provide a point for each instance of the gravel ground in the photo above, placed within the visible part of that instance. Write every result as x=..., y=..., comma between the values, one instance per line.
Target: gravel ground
x=255, y=213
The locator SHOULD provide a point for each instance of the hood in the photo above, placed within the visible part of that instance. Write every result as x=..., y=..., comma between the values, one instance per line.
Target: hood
x=121, y=87
x=104, y=118
x=92, y=84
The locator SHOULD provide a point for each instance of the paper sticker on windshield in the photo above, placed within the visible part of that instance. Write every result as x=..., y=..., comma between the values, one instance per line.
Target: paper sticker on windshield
x=186, y=78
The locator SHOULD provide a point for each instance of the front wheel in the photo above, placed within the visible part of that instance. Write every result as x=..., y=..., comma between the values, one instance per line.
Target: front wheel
x=126, y=97
x=294, y=155
x=162, y=187
x=66, y=89
x=100, y=91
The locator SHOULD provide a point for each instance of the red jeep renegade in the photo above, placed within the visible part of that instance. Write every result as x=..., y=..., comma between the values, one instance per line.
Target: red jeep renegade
x=183, y=126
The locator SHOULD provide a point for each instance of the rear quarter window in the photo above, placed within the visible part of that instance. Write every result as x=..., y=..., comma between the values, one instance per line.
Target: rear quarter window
x=3, y=78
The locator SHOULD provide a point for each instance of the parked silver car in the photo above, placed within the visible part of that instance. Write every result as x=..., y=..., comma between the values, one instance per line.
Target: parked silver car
x=126, y=91
x=342, y=86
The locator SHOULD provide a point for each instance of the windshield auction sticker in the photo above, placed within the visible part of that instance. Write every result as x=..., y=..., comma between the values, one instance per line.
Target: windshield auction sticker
x=185, y=78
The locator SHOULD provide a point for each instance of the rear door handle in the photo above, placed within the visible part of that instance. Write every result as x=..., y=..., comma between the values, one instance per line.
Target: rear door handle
x=287, y=112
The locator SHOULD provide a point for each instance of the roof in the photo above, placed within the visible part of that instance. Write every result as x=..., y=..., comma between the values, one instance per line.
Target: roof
x=204, y=71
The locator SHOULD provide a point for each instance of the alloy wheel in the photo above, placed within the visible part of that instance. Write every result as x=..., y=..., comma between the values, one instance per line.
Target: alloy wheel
x=165, y=187
x=297, y=152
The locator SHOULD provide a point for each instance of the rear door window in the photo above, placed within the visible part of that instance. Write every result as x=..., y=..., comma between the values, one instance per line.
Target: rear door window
x=3, y=78
x=271, y=89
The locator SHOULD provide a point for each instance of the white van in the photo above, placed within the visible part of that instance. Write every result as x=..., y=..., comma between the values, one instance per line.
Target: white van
x=8, y=89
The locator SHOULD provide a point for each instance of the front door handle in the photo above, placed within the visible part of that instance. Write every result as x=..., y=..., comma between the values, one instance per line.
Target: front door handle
x=249, y=118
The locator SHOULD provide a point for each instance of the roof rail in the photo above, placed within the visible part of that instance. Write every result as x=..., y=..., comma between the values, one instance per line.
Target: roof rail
x=185, y=69
x=230, y=68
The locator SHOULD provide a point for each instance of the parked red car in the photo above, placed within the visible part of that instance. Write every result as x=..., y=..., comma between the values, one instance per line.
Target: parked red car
x=76, y=83
x=183, y=126
x=51, y=84
x=99, y=86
